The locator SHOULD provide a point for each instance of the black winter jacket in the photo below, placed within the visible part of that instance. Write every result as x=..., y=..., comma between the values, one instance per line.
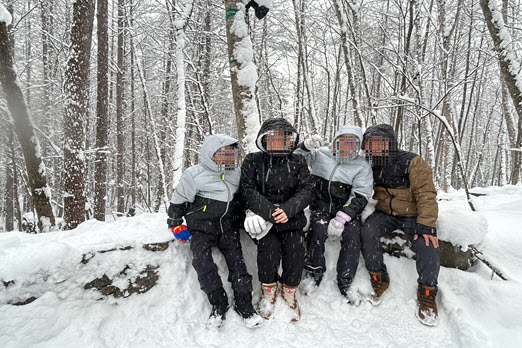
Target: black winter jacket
x=268, y=182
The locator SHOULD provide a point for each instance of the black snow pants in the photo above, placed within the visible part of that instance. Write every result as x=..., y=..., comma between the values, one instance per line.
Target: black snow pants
x=350, y=247
x=230, y=246
x=380, y=224
x=277, y=246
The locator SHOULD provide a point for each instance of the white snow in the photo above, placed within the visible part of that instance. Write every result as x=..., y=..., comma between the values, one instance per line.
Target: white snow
x=474, y=310
x=5, y=16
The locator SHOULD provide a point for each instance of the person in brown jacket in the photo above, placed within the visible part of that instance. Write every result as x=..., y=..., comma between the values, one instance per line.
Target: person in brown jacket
x=406, y=200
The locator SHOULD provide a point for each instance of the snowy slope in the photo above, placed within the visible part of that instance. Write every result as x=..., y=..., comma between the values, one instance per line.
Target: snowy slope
x=475, y=310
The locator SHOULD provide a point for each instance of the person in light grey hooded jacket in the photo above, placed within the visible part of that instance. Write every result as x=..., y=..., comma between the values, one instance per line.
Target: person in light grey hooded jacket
x=343, y=183
x=206, y=198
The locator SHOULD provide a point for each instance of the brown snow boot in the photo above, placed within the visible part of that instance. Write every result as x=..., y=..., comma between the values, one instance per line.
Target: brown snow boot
x=427, y=305
x=380, y=282
x=289, y=295
x=265, y=306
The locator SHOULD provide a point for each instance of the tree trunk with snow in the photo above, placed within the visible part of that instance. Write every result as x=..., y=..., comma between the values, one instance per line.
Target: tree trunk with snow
x=24, y=130
x=243, y=74
x=102, y=112
x=76, y=87
x=120, y=125
x=181, y=24
x=509, y=68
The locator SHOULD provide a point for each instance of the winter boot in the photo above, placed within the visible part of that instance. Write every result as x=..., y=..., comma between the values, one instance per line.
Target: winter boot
x=380, y=282
x=243, y=307
x=313, y=278
x=267, y=300
x=427, y=305
x=289, y=295
x=219, y=301
x=352, y=296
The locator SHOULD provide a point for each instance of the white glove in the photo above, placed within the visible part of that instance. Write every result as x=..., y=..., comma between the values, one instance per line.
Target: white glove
x=314, y=142
x=256, y=226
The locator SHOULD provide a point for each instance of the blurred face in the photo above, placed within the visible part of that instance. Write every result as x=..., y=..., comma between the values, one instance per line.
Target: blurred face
x=346, y=147
x=377, y=146
x=279, y=142
x=227, y=157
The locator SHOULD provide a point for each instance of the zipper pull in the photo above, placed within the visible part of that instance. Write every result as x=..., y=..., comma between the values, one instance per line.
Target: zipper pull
x=223, y=176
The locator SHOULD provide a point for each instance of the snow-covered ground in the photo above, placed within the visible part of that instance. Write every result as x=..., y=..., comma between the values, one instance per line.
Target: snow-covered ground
x=475, y=310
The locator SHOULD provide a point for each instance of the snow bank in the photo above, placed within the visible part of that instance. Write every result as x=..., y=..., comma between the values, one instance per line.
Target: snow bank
x=475, y=311
x=5, y=16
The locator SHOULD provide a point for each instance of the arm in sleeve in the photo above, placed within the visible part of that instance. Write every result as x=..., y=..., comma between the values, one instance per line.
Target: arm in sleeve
x=252, y=198
x=362, y=187
x=303, y=195
x=421, y=183
x=184, y=193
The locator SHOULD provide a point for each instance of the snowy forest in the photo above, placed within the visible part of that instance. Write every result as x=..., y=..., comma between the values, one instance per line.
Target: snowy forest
x=112, y=110
x=119, y=95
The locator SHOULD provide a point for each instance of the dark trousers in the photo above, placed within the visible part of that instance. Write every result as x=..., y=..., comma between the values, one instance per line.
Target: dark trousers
x=380, y=224
x=350, y=247
x=230, y=246
x=276, y=246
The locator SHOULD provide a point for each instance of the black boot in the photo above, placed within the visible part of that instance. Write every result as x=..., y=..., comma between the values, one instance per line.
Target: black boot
x=219, y=301
x=316, y=274
x=353, y=297
x=243, y=306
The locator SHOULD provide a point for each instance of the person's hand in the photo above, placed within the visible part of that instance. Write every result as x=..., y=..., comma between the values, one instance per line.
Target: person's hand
x=254, y=224
x=180, y=232
x=314, y=142
x=336, y=226
x=427, y=238
x=280, y=216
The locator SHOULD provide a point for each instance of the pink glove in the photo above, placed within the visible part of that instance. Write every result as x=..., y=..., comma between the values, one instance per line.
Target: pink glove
x=336, y=226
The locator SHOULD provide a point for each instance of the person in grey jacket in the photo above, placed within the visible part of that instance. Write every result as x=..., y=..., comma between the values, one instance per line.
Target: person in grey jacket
x=206, y=197
x=343, y=185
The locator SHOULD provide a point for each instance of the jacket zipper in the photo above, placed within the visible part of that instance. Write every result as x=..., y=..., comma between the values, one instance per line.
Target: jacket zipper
x=228, y=202
x=329, y=186
x=193, y=211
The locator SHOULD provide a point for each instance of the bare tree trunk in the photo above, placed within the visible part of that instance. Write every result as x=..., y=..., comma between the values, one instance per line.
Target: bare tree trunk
x=120, y=125
x=359, y=121
x=102, y=112
x=510, y=75
x=76, y=87
x=24, y=130
x=10, y=169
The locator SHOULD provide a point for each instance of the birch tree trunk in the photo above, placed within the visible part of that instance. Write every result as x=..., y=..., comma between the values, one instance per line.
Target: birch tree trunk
x=25, y=132
x=120, y=136
x=76, y=88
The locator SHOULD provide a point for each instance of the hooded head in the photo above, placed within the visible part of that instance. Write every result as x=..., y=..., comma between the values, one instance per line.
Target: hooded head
x=211, y=145
x=277, y=137
x=347, y=143
x=380, y=145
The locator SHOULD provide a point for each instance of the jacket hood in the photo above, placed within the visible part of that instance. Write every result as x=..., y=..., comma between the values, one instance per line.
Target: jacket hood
x=350, y=130
x=271, y=124
x=381, y=130
x=211, y=144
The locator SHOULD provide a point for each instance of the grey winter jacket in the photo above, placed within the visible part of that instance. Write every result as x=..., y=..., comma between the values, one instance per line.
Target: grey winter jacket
x=345, y=186
x=205, y=195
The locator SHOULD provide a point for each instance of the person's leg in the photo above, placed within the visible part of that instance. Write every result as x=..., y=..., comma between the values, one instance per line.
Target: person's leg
x=268, y=258
x=428, y=257
x=293, y=257
x=201, y=245
x=230, y=246
x=315, y=264
x=349, y=254
x=376, y=225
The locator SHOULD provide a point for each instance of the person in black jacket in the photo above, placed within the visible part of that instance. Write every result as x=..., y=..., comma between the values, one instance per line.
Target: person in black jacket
x=276, y=188
x=206, y=197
